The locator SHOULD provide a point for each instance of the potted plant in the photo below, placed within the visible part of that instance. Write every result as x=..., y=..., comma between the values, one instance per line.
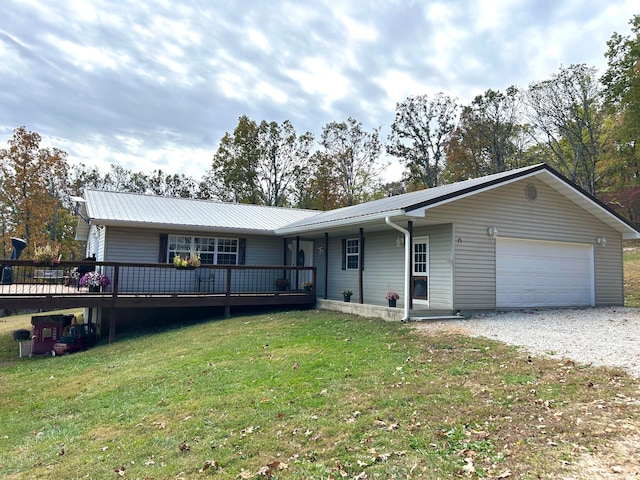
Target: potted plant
x=47, y=255
x=187, y=263
x=347, y=295
x=21, y=334
x=392, y=297
x=95, y=281
x=282, y=283
x=307, y=286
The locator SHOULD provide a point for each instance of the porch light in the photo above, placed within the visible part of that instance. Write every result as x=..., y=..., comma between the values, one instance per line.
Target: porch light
x=399, y=241
x=320, y=250
x=492, y=232
x=602, y=241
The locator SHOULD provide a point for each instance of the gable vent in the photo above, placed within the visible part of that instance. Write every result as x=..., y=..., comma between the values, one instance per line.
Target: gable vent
x=531, y=192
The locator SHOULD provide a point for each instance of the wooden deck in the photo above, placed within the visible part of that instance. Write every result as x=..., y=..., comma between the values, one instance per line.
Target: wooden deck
x=159, y=285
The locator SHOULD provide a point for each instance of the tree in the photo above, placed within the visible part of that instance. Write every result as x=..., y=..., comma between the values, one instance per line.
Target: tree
x=282, y=157
x=259, y=163
x=488, y=138
x=566, y=114
x=161, y=183
x=29, y=193
x=321, y=191
x=353, y=153
x=622, y=95
x=235, y=164
x=418, y=136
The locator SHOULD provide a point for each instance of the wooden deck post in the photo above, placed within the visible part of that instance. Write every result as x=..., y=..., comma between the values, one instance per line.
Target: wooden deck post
x=112, y=325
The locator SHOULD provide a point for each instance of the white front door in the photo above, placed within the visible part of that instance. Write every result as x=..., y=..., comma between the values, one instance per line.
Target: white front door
x=420, y=271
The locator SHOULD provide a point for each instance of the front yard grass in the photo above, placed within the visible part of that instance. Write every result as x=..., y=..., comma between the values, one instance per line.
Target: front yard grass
x=305, y=394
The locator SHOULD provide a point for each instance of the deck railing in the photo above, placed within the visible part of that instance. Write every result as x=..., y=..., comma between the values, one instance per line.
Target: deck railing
x=23, y=278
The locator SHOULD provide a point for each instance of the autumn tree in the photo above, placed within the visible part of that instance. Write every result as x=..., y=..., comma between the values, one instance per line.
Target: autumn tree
x=30, y=181
x=319, y=190
x=566, y=113
x=418, y=135
x=353, y=153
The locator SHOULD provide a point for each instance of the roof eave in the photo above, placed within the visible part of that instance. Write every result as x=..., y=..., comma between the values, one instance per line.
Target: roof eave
x=180, y=227
x=336, y=224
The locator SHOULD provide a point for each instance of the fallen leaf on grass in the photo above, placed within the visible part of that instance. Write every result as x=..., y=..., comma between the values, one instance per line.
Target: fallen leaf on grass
x=209, y=464
x=160, y=425
x=468, y=469
x=184, y=447
x=121, y=471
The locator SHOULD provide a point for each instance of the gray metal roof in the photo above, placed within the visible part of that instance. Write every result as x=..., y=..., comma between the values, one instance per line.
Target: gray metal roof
x=415, y=203
x=127, y=209
x=130, y=209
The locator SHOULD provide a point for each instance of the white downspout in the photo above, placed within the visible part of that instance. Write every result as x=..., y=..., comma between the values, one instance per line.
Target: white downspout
x=407, y=266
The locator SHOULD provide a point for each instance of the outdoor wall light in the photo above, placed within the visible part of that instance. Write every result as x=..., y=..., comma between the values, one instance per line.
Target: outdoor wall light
x=602, y=241
x=320, y=250
x=492, y=232
x=399, y=241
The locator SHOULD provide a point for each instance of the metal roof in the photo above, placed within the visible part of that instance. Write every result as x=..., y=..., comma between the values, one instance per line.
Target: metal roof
x=414, y=204
x=130, y=209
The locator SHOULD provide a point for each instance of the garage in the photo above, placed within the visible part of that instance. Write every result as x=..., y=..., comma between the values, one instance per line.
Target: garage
x=531, y=273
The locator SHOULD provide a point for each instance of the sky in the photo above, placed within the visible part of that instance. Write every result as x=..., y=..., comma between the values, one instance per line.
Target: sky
x=155, y=84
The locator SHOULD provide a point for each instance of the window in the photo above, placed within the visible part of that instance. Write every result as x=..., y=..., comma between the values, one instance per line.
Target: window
x=213, y=251
x=352, y=253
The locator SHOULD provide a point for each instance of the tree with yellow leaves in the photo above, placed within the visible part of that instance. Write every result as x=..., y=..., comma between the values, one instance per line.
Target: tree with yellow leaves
x=31, y=182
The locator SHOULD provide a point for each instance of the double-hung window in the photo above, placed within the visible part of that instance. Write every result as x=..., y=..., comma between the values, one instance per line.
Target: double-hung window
x=352, y=254
x=212, y=251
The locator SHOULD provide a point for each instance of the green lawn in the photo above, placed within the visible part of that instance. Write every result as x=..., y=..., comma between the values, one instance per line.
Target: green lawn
x=299, y=395
x=632, y=279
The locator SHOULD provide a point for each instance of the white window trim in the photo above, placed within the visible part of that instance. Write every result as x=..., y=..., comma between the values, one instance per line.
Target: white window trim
x=356, y=254
x=215, y=251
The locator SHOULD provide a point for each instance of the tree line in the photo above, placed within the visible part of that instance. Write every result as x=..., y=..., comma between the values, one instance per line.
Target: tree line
x=584, y=126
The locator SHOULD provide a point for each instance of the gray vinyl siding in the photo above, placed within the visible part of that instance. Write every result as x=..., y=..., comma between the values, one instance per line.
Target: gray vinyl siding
x=384, y=267
x=440, y=265
x=550, y=217
x=143, y=246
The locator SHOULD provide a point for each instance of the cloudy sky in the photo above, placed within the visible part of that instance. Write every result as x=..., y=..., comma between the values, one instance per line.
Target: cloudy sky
x=154, y=84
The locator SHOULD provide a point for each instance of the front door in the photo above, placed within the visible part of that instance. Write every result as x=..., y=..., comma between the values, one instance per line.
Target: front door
x=302, y=258
x=420, y=271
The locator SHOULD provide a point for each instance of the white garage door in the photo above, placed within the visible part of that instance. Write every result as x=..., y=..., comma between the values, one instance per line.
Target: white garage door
x=543, y=274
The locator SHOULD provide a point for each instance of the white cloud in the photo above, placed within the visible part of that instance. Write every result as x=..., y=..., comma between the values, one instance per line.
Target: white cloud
x=157, y=83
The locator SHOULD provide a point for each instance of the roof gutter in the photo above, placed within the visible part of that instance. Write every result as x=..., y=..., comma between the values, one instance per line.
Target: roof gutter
x=407, y=266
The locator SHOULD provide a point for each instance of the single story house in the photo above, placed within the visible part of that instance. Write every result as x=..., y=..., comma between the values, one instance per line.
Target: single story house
x=522, y=238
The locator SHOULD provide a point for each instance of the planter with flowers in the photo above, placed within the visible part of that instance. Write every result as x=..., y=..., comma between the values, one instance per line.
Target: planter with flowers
x=47, y=255
x=346, y=294
x=392, y=297
x=307, y=286
x=95, y=281
x=187, y=263
x=282, y=284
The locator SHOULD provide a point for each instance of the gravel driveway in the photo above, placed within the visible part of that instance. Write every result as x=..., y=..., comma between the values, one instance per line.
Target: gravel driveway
x=598, y=336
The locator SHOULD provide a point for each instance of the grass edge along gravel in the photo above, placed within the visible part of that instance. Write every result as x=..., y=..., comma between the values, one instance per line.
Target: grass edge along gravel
x=305, y=394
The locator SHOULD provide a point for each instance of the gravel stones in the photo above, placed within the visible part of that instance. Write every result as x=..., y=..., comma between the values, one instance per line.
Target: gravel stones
x=607, y=336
